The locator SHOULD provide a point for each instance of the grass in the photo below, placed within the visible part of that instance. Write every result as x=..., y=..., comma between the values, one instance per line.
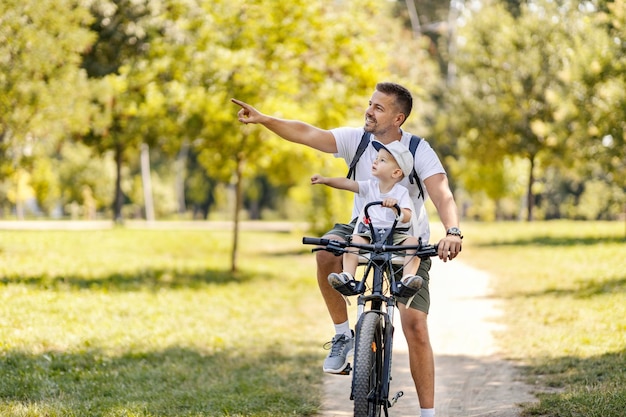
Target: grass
x=149, y=323
x=565, y=289
x=140, y=323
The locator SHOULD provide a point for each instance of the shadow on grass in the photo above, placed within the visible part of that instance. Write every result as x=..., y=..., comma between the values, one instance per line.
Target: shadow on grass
x=152, y=279
x=588, y=289
x=173, y=382
x=594, y=386
x=556, y=241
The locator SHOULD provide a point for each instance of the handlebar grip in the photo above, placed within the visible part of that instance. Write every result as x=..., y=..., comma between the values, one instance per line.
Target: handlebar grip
x=396, y=207
x=315, y=241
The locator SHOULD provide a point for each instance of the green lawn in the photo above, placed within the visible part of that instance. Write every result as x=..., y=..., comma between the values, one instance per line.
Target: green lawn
x=150, y=323
x=565, y=289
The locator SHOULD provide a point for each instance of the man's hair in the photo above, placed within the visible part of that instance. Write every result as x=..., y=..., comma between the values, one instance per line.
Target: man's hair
x=403, y=96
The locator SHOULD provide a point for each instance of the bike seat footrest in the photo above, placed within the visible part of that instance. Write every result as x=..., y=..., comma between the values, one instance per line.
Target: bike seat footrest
x=400, y=290
x=349, y=288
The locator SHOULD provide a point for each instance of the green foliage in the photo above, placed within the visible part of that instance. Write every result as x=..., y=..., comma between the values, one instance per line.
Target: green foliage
x=43, y=93
x=295, y=59
x=530, y=87
x=540, y=81
x=80, y=173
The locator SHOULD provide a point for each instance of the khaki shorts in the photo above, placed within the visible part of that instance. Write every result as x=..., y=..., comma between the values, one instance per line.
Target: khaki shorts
x=421, y=301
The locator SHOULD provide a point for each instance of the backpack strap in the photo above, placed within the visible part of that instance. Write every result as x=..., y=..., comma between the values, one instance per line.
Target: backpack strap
x=413, y=178
x=365, y=140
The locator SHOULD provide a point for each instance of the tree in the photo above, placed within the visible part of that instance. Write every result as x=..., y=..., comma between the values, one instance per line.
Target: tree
x=516, y=84
x=44, y=95
x=130, y=98
x=310, y=60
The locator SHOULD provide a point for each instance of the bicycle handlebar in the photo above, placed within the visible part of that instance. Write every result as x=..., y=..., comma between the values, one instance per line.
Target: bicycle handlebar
x=339, y=246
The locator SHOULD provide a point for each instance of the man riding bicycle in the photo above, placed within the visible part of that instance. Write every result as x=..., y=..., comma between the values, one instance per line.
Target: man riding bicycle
x=389, y=107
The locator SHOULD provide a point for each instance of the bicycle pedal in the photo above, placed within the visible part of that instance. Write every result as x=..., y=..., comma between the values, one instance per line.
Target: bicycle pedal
x=346, y=370
x=395, y=398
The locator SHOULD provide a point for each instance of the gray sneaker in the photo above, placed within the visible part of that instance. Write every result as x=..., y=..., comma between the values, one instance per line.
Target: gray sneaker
x=344, y=283
x=341, y=347
x=413, y=282
x=337, y=280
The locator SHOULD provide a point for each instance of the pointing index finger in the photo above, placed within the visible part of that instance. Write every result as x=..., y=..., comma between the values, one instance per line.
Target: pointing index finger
x=238, y=102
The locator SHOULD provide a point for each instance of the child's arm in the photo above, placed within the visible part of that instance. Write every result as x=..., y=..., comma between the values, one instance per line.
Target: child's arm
x=340, y=183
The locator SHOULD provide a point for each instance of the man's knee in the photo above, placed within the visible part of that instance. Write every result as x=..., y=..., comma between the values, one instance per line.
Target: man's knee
x=328, y=260
x=415, y=327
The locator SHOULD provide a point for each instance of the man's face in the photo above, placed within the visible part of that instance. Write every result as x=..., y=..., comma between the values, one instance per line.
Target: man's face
x=382, y=116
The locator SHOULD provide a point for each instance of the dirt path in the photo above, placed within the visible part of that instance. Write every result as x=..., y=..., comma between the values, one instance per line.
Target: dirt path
x=472, y=380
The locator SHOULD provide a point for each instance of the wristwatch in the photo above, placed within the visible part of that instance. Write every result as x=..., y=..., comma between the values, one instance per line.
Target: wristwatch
x=454, y=231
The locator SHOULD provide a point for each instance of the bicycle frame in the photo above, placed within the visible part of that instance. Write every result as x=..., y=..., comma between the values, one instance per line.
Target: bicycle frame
x=379, y=300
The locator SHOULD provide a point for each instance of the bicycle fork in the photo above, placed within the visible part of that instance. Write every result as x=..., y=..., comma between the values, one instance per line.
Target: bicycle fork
x=382, y=396
x=389, y=331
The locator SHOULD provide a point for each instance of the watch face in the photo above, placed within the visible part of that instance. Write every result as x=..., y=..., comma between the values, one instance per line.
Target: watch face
x=454, y=231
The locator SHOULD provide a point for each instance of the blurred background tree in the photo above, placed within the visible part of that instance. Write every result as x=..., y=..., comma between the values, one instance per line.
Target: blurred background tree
x=44, y=94
x=525, y=101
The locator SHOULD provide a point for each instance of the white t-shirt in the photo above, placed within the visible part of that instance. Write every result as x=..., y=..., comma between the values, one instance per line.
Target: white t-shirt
x=383, y=217
x=427, y=163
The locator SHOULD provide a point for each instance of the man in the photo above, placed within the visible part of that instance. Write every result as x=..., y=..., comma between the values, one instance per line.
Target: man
x=389, y=107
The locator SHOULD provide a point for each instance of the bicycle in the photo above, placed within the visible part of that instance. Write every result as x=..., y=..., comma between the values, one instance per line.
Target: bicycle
x=375, y=311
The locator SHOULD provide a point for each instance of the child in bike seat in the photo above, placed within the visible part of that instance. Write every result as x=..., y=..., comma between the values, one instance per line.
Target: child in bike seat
x=393, y=162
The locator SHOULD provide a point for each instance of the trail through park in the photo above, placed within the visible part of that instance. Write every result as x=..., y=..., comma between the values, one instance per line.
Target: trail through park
x=472, y=377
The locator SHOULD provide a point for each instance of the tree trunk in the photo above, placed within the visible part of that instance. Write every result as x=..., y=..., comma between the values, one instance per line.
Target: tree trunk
x=238, y=206
x=181, y=160
x=529, y=195
x=415, y=20
x=118, y=201
x=147, y=182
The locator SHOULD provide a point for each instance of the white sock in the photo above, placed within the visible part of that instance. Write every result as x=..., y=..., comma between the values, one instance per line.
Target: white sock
x=427, y=412
x=343, y=328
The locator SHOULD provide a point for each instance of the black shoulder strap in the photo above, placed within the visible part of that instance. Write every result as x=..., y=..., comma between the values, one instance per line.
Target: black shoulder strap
x=413, y=178
x=365, y=140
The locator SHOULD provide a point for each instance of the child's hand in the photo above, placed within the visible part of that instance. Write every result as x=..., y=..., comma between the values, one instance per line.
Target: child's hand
x=317, y=179
x=389, y=202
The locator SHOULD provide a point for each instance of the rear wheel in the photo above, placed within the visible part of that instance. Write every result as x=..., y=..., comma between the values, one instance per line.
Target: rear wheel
x=368, y=360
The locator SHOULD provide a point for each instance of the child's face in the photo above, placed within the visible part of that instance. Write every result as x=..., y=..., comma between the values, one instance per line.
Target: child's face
x=385, y=167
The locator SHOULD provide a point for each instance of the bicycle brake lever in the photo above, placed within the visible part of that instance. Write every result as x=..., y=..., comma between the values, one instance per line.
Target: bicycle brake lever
x=334, y=249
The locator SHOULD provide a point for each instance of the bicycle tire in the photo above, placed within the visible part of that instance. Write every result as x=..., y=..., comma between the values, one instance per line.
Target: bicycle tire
x=368, y=367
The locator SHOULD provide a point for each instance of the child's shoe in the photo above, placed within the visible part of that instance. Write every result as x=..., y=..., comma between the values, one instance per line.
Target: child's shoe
x=344, y=283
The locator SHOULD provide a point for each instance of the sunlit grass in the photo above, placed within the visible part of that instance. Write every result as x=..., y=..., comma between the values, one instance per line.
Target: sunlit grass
x=150, y=323
x=565, y=289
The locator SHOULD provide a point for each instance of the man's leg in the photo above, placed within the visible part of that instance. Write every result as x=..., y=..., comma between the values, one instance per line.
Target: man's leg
x=342, y=344
x=415, y=328
x=421, y=359
x=335, y=303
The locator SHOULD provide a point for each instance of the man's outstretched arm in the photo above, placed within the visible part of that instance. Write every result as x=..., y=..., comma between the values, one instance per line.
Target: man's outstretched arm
x=292, y=130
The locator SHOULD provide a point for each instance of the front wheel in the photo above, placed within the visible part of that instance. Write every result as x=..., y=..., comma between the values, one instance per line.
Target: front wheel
x=368, y=367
